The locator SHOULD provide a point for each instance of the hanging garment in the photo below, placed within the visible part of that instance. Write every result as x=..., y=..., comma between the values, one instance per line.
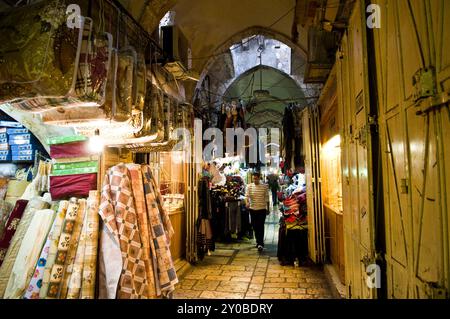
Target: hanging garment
x=5, y=210
x=141, y=211
x=33, y=205
x=90, y=250
x=123, y=98
x=36, y=283
x=161, y=232
x=119, y=216
x=79, y=185
x=57, y=269
x=11, y=227
x=73, y=247
x=28, y=253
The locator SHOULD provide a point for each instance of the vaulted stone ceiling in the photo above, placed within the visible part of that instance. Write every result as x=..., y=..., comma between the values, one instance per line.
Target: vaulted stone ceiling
x=212, y=26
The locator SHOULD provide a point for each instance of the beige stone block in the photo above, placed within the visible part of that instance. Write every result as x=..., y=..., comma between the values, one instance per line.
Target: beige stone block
x=235, y=273
x=220, y=278
x=301, y=296
x=207, y=272
x=321, y=291
x=272, y=275
x=241, y=279
x=258, y=279
x=258, y=286
x=221, y=295
x=280, y=285
x=259, y=273
x=185, y=294
x=233, y=268
x=295, y=291
x=253, y=292
x=228, y=286
x=196, y=277
x=295, y=279
x=187, y=283
x=273, y=290
x=206, y=285
x=274, y=296
x=275, y=271
x=277, y=279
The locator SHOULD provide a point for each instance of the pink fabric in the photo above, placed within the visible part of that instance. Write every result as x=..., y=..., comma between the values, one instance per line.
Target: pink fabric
x=74, y=149
x=79, y=185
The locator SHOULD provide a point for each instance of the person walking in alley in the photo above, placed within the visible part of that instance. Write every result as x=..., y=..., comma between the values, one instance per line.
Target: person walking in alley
x=257, y=201
x=274, y=186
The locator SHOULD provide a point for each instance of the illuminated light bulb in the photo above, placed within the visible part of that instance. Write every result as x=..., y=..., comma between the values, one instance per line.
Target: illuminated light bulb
x=96, y=143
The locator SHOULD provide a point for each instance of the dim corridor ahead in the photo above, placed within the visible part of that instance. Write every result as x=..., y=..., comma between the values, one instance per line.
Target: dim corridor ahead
x=237, y=271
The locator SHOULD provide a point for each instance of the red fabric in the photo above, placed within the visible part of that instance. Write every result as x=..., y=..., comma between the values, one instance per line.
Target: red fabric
x=67, y=186
x=75, y=149
x=11, y=226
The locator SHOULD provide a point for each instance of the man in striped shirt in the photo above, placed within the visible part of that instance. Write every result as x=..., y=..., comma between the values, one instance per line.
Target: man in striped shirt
x=257, y=201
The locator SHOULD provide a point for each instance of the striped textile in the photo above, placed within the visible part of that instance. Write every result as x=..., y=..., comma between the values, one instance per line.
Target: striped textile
x=57, y=271
x=141, y=210
x=91, y=244
x=257, y=196
x=72, y=252
x=5, y=210
x=53, y=247
x=36, y=282
x=161, y=232
x=119, y=215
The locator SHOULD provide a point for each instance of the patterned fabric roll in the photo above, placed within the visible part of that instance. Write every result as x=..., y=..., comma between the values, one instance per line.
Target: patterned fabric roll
x=5, y=209
x=91, y=243
x=36, y=282
x=74, y=282
x=11, y=226
x=57, y=271
x=71, y=253
x=160, y=231
x=53, y=248
x=119, y=215
x=28, y=253
x=141, y=210
x=32, y=206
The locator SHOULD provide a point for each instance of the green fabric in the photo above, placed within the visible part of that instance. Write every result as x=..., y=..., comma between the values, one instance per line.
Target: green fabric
x=73, y=171
x=64, y=166
x=65, y=139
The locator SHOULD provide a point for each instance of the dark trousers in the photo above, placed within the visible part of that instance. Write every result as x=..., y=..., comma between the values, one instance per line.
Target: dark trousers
x=258, y=221
x=274, y=197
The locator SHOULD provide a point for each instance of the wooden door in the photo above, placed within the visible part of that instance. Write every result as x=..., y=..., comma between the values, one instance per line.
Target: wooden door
x=414, y=37
x=358, y=190
x=311, y=148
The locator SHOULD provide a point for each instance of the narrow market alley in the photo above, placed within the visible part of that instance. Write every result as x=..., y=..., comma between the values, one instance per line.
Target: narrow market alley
x=239, y=271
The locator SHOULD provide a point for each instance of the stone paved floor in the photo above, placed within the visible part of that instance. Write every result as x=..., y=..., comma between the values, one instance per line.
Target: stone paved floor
x=237, y=271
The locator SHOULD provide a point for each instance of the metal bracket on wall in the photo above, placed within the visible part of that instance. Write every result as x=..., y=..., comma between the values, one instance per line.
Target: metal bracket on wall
x=424, y=81
x=428, y=104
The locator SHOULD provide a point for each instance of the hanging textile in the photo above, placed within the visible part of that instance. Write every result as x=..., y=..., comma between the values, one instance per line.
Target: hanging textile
x=5, y=210
x=91, y=244
x=11, y=227
x=161, y=232
x=57, y=270
x=205, y=240
x=73, y=246
x=141, y=211
x=28, y=253
x=73, y=149
x=47, y=256
x=32, y=206
x=119, y=216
